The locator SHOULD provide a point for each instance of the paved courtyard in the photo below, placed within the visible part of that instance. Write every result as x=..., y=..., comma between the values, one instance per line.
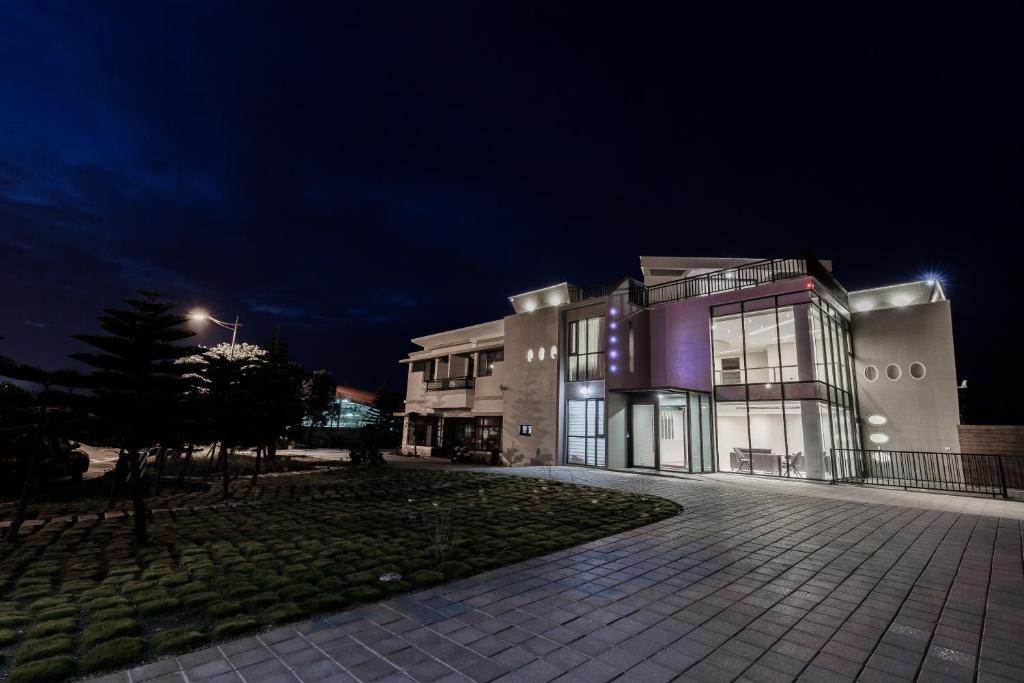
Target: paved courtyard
x=751, y=582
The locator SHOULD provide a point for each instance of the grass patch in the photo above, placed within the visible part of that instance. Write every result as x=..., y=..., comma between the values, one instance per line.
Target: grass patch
x=75, y=589
x=113, y=654
x=109, y=629
x=178, y=640
x=43, y=670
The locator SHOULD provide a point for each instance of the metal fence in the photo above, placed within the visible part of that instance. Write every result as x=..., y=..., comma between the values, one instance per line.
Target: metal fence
x=447, y=383
x=740, y=277
x=993, y=475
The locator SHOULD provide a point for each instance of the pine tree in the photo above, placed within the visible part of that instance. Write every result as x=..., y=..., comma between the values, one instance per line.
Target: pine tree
x=278, y=395
x=135, y=380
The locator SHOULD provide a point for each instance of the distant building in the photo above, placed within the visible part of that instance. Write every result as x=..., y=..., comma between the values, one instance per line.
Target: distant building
x=709, y=364
x=352, y=408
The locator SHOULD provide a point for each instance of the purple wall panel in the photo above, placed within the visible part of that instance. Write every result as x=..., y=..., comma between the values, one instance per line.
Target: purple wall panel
x=681, y=337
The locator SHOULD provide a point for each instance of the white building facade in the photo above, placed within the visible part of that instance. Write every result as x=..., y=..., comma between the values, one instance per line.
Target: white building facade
x=762, y=367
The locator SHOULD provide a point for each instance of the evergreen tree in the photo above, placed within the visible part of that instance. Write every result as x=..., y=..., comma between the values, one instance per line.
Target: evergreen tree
x=318, y=392
x=136, y=381
x=278, y=397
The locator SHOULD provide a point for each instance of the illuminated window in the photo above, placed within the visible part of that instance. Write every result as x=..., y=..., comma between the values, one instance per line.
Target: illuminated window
x=631, y=341
x=870, y=373
x=893, y=372
x=879, y=438
x=540, y=353
x=586, y=349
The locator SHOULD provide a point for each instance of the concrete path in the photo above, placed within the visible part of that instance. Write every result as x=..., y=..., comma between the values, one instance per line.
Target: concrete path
x=755, y=581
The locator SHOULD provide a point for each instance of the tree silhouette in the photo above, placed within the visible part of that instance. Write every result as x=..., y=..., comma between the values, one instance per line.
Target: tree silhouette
x=136, y=381
x=318, y=392
x=277, y=391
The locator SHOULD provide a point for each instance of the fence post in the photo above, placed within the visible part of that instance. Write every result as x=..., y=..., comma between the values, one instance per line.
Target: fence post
x=1002, y=476
x=835, y=478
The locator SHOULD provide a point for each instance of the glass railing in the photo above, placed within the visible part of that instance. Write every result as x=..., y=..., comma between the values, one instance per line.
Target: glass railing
x=449, y=383
x=770, y=374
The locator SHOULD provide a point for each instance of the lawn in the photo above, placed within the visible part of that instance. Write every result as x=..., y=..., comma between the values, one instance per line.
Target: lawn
x=78, y=598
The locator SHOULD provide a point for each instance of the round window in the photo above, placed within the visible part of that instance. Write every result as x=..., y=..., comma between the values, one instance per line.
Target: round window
x=554, y=351
x=877, y=420
x=529, y=355
x=893, y=372
x=870, y=373
x=540, y=353
x=879, y=438
x=917, y=370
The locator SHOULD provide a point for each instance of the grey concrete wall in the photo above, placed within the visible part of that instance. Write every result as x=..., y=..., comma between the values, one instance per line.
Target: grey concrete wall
x=530, y=394
x=923, y=414
x=615, y=429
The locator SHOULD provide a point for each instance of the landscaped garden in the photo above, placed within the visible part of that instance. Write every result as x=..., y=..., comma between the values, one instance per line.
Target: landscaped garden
x=78, y=597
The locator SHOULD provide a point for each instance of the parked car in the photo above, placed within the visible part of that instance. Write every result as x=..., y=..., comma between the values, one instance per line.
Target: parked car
x=59, y=458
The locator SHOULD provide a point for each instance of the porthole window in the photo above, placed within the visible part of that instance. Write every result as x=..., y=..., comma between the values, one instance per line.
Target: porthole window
x=554, y=352
x=879, y=438
x=893, y=372
x=540, y=353
x=877, y=420
x=529, y=355
x=870, y=373
x=917, y=370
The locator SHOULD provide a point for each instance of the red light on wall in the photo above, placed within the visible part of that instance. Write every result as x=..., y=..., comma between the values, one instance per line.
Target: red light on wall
x=809, y=285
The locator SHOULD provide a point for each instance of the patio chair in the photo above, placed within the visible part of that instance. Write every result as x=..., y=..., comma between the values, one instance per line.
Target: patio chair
x=741, y=459
x=795, y=463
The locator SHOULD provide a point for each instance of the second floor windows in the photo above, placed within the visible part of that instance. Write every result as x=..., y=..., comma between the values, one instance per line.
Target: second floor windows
x=585, y=359
x=487, y=361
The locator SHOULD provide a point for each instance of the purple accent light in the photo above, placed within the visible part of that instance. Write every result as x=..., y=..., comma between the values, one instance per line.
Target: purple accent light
x=614, y=368
x=613, y=353
x=613, y=311
x=613, y=339
x=613, y=324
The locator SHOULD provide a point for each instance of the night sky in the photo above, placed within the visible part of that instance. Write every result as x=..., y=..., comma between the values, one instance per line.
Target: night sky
x=360, y=175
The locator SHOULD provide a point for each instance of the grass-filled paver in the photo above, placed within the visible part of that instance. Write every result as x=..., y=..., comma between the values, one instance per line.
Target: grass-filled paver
x=79, y=598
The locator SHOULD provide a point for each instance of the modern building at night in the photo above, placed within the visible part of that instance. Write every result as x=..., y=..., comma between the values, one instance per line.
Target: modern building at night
x=708, y=364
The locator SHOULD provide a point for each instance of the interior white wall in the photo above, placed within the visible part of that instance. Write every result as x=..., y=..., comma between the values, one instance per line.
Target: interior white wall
x=616, y=429
x=673, y=451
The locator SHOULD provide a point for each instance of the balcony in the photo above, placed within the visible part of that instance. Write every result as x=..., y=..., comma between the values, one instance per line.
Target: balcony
x=740, y=277
x=451, y=383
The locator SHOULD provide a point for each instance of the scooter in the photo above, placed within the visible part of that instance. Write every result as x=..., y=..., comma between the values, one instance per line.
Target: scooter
x=460, y=454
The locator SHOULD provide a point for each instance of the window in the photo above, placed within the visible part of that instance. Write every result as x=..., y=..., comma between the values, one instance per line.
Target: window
x=525, y=430
x=487, y=361
x=870, y=373
x=893, y=372
x=586, y=349
x=586, y=432
x=488, y=433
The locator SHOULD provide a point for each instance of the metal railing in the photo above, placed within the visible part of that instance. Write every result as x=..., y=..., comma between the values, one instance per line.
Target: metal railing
x=983, y=473
x=446, y=383
x=740, y=277
x=592, y=291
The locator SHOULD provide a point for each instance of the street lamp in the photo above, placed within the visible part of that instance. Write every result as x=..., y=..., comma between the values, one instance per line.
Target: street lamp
x=201, y=315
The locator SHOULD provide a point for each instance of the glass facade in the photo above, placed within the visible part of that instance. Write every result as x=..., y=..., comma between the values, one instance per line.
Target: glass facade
x=586, y=437
x=585, y=359
x=783, y=385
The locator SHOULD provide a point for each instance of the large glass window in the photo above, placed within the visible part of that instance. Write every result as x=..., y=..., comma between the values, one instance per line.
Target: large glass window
x=773, y=418
x=585, y=359
x=586, y=443
x=488, y=433
x=673, y=428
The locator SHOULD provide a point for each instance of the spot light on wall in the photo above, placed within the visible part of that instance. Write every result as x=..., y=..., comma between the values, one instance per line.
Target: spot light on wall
x=540, y=353
x=585, y=390
x=529, y=355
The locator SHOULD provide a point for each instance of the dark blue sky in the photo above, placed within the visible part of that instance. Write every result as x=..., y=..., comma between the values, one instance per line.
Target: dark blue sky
x=359, y=175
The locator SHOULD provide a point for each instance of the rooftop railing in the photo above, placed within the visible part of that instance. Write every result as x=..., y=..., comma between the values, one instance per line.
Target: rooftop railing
x=716, y=282
x=741, y=277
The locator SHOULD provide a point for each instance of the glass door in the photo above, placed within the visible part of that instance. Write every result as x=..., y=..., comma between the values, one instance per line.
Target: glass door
x=643, y=435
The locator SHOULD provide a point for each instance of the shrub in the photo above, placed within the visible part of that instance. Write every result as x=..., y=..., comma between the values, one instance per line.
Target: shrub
x=11, y=619
x=148, y=595
x=285, y=611
x=159, y=606
x=260, y=600
x=43, y=670
x=108, y=630
x=7, y=636
x=100, y=604
x=178, y=640
x=113, y=654
x=233, y=627
x=199, y=599
x=49, y=628
x=119, y=612
x=60, y=612
x=43, y=648
x=219, y=610
x=454, y=570
x=363, y=594
x=46, y=603
x=298, y=591
x=175, y=579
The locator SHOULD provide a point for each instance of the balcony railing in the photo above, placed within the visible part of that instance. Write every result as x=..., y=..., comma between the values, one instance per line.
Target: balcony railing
x=740, y=277
x=994, y=475
x=451, y=383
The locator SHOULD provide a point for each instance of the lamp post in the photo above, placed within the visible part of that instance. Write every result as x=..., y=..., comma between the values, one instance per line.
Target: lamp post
x=202, y=315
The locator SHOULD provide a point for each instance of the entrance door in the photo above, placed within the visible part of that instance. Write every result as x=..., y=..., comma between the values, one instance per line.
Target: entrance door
x=643, y=435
